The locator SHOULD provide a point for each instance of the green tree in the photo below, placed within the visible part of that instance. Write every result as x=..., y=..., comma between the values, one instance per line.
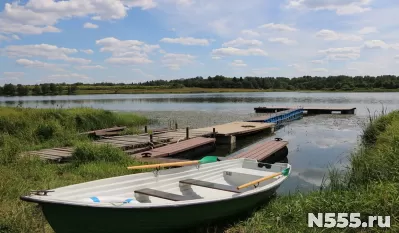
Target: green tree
x=22, y=90
x=37, y=90
x=53, y=89
x=45, y=88
x=1, y=90
x=9, y=89
x=60, y=89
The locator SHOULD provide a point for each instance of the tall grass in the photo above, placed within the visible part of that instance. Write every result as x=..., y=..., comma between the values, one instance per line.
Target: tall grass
x=369, y=187
x=26, y=129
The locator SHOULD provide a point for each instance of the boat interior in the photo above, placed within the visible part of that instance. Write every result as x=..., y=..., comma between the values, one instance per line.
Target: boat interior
x=204, y=182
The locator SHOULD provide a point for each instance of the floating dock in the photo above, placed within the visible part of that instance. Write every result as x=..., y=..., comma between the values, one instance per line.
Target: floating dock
x=279, y=117
x=186, y=147
x=269, y=151
x=227, y=133
x=309, y=110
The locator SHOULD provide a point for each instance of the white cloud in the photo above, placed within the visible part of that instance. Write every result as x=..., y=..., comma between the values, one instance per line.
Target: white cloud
x=9, y=38
x=318, y=61
x=344, y=53
x=396, y=57
x=239, y=42
x=230, y=51
x=278, y=27
x=90, y=25
x=343, y=56
x=331, y=35
x=341, y=50
x=87, y=51
x=128, y=60
x=143, y=74
x=374, y=44
x=216, y=58
x=90, y=67
x=126, y=52
x=324, y=70
x=51, y=52
x=186, y=41
x=13, y=75
x=285, y=41
x=39, y=64
x=39, y=16
x=238, y=63
x=367, y=30
x=70, y=77
x=341, y=7
x=174, y=61
x=250, y=33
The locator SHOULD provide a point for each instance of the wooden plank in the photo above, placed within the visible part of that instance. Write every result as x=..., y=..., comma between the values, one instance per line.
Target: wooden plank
x=262, y=150
x=67, y=149
x=61, y=152
x=54, y=153
x=176, y=148
x=237, y=128
x=163, y=195
x=150, y=153
x=105, y=130
x=211, y=185
x=160, y=160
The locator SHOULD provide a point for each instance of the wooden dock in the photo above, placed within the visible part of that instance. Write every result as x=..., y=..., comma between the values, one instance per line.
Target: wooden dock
x=308, y=110
x=262, y=151
x=279, y=117
x=176, y=148
x=129, y=143
x=227, y=133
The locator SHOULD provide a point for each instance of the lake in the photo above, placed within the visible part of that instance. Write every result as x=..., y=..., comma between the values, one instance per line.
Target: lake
x=316, y=143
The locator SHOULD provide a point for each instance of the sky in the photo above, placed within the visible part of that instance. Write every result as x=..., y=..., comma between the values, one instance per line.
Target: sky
x=140, y=40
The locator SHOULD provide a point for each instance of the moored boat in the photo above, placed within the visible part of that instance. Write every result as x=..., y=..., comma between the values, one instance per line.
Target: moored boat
x=162, y=200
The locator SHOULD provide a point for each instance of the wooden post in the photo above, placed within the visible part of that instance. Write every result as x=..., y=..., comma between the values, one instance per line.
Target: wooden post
x=187, y=132
x=150, y=137
x=176, y=126
x=145, y=129
x=214, y=133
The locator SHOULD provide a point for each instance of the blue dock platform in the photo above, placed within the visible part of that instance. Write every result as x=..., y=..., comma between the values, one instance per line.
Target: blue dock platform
x=279, y=117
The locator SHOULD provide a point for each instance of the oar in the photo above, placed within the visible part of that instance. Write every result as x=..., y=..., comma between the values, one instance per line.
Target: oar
x=284, y=172
x=206, y=159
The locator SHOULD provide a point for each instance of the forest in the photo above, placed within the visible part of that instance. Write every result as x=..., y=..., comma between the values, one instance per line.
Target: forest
x=331, y=83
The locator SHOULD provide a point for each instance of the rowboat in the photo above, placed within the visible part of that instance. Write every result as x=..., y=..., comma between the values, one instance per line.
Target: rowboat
x=161, y=200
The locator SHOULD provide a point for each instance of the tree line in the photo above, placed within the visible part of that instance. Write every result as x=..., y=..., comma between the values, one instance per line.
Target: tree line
x=341, y=82
x=40, y=89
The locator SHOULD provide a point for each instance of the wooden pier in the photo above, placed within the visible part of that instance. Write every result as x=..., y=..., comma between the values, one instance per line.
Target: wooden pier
x=279, y=117
x=264, y=151
x=227, y=133
x=177, y=148
x=309, y=110
x=129, y=143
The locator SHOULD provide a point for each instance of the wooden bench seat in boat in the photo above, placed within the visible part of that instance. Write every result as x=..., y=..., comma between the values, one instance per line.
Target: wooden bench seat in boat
x=163, y=195
x=211, y=185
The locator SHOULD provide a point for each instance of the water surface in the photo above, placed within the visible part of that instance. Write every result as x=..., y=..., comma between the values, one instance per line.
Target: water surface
x=316, y=143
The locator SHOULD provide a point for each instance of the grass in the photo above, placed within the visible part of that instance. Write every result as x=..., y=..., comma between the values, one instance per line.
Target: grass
x=370, y=187
x=26, y=129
